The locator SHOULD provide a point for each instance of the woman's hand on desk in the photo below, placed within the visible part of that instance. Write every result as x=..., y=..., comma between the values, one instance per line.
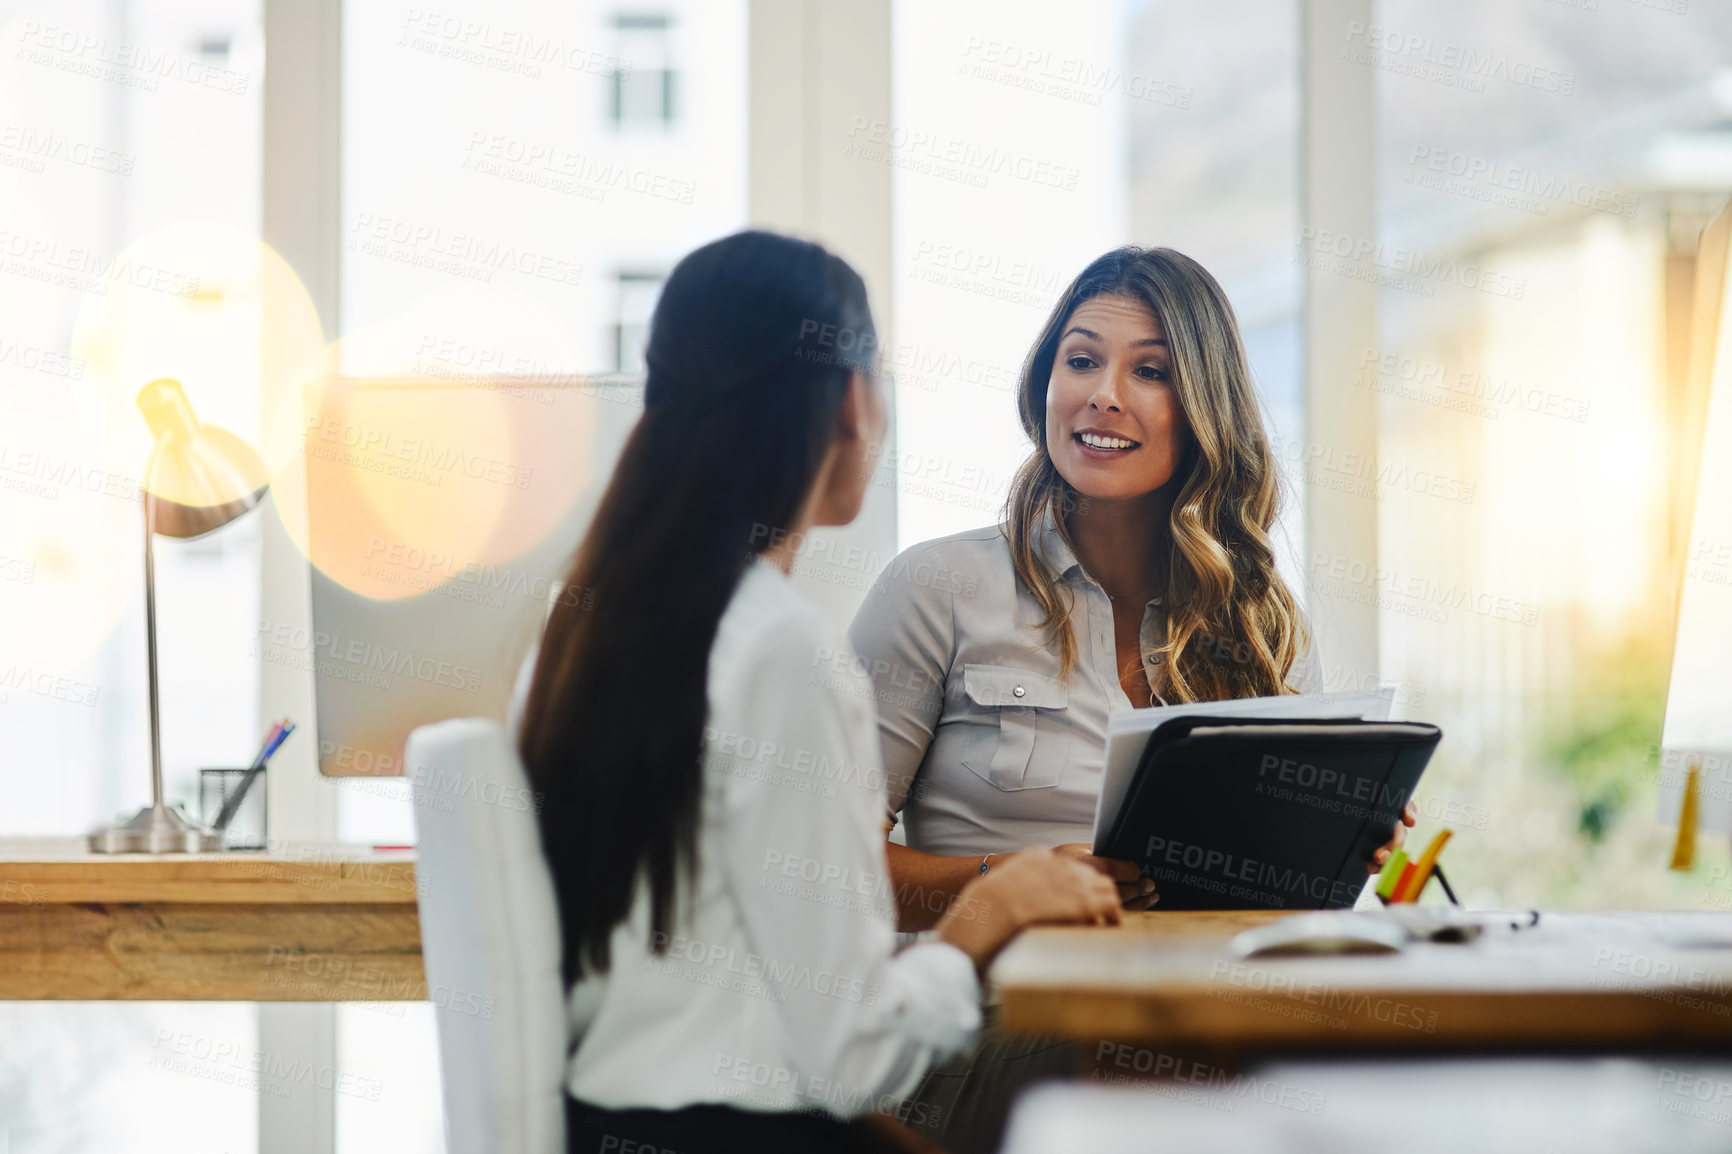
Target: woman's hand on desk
x=1035, y=887
x=1408, y=817
x=1136, y=892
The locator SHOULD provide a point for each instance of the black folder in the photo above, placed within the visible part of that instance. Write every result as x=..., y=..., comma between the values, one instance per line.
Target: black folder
x=1235, y=813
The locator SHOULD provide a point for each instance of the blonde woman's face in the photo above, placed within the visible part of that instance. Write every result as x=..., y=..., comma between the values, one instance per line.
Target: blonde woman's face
x=1114, y=428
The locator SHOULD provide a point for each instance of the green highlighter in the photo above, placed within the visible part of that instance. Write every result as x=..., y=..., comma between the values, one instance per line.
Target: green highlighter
x=1390, y=876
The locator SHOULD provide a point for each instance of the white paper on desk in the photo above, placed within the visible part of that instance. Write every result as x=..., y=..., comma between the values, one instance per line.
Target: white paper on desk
x=1128, y=733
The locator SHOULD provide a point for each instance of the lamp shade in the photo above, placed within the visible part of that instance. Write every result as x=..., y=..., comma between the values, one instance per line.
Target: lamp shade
x=200, y=478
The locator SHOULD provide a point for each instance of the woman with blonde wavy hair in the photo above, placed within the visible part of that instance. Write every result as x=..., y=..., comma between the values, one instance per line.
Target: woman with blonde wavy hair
x=1134, y=567
x=1206, y=522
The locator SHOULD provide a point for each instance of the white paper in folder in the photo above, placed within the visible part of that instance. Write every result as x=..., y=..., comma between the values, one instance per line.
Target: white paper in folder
x=1128, y=733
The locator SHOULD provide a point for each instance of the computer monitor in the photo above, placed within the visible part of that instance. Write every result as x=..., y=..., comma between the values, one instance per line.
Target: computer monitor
x=1698, y=725
x=441, y=518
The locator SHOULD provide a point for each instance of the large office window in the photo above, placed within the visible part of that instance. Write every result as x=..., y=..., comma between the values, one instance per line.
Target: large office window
x=517, y=177
x=484, y=198
x=1541, y=186
x=1030, y=140
x=129, y=212
x=510, y=197
x=107, y=285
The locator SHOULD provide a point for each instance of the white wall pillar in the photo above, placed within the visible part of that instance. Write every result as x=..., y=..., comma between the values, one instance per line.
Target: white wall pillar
x=1338, y=196
x=302, y=157
x=814, y=66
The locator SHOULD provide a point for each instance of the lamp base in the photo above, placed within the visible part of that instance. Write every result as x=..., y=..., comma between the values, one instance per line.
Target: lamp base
x=155, y=829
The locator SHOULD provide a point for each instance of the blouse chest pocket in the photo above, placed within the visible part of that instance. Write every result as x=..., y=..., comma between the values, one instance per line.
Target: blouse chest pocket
x=1026, y=748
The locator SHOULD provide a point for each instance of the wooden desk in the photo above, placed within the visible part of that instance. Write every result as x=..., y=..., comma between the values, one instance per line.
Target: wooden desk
x=306, y=923
x=1605, y=981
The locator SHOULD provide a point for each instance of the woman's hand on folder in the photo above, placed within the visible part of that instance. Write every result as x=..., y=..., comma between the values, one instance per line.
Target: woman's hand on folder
x=1408, y=817
x=1034, y=887
x=1136, y=892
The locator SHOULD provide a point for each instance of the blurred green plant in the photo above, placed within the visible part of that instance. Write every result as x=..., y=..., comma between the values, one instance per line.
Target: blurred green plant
x=1603, y=730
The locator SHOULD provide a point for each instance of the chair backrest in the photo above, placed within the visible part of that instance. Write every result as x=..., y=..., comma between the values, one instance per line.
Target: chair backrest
x=490, y=941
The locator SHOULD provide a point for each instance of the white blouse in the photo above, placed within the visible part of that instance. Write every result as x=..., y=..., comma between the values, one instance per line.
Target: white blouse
x=779, y=989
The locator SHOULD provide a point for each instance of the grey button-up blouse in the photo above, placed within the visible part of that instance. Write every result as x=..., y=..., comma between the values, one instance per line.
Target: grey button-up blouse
x=985, y=749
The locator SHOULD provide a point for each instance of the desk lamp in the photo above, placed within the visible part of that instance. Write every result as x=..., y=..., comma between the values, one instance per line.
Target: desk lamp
x=199, y=479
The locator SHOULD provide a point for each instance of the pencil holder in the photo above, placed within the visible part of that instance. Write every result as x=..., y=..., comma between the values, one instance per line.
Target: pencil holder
x=246, y=829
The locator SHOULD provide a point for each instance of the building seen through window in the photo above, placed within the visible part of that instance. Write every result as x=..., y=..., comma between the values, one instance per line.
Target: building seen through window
x=634, y=300
x=644, y=83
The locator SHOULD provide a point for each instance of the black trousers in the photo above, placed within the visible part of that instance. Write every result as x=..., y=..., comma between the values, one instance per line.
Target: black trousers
x=713, y=1128
x=963, y=1104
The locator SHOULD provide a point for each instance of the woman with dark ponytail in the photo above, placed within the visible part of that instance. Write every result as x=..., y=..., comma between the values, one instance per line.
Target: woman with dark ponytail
x=711, y=784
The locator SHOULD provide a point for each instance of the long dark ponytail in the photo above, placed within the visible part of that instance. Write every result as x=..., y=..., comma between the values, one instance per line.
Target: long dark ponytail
x=744, y=390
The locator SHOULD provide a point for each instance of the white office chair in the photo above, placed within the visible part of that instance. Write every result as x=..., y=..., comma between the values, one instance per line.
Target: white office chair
x=490, y=941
